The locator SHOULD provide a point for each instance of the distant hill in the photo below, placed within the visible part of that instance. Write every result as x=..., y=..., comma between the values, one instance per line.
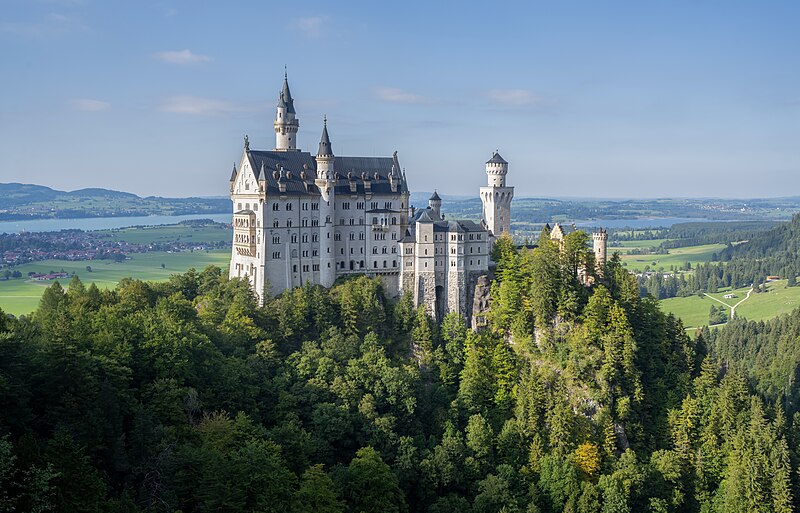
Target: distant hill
x=781, y=241
x=28, y=201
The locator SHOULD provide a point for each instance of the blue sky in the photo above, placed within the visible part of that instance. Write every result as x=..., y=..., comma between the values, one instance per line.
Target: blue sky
x=595, y=98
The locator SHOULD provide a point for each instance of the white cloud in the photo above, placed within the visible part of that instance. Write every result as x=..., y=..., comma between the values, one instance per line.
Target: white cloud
x=310, y=27
x=184, y=104
x=396, y=95
x=89, y=105
x=181, y=57
x=513, y=97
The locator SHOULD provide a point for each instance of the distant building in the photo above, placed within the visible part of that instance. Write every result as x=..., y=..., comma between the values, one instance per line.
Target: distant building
x=730, y=296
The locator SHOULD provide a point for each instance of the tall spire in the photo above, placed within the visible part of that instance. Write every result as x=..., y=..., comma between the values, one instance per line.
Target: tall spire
x=286, y=95
x=325, y=148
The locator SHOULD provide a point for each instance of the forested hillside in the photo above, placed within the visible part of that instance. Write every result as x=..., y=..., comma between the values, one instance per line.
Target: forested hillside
x=187, y=396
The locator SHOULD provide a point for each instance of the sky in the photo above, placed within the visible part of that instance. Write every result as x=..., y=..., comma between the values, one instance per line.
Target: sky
x=583, y=98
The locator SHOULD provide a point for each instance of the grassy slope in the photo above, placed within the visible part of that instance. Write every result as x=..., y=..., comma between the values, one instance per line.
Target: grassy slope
x=676, y=257
x=22, y=296
x=776, y=301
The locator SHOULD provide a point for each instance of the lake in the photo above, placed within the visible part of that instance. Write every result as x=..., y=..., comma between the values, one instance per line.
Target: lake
x=102, y=223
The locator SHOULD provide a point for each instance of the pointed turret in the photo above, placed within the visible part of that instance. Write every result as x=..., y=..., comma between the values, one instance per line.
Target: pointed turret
x=435, y=204
x=233, y=173
x=286, y=123
x=325, y=149
x=286, y=95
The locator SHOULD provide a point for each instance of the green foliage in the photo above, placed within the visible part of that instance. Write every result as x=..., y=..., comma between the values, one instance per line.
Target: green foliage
x=188, y=396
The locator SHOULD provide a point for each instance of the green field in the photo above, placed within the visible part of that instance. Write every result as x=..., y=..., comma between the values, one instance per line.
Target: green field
x=171, y=233
x=21, y=296
x=631, y=244
x=778, y=300
x=676, y=257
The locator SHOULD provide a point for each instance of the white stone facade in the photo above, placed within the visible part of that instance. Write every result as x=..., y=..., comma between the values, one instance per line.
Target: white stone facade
x=300, y=218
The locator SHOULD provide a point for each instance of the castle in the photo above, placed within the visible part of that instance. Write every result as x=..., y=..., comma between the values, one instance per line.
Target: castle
x=300, y=218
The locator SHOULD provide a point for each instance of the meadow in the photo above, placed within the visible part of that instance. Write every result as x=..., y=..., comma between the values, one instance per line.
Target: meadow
x=777, y=300
x=21, y=296
x=676, y=257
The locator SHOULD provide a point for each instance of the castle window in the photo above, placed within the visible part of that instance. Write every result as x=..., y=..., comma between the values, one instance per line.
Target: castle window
x=239, y=206
x=394, y=236
x=305, y=253
x=305, y=237
x=360, y=205
x=314, y=237
x=255, y=206
x=383, y=250
x=361, y=264
x=294, y=238
x=247, y=186
x=470, y=262
x=341, y=221
x=374, y=220
x=361, y=250
x=374, y=251
x=384, y=264
x=294, y=268
x=315, y=206
x=276, y=255
x=276, y=240
x=374, y=205
x=275, y=206
x=352, y=236
x=479, y=262
x=394, y=220
x=288, y=206
x=314, y=252
x=346, y=205
x=288, y=223
x=375, y=265
x=337, y=237
x=394, y=263
x=305, y=268
x=315, y=222
x=352, y=221
x=305, y=206
x=394, y=249
x=351, y=251
x=305, y=222
x=315, y=267
x=275, y=223
x=388, y=204
x=361, y=236
x=341, y=251
x=426, y=264
x=426, y=251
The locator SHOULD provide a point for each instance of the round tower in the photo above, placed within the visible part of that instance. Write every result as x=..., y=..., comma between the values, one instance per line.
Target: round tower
x=325, y=182
x=496, y=196
x=286, y=122
x=435, y=204
x=496, y=170
x=600, y=239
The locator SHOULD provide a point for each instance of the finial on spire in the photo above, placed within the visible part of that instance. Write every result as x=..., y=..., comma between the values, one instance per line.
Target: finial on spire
x=285, y=72
x=246, y=143
x=324, y=120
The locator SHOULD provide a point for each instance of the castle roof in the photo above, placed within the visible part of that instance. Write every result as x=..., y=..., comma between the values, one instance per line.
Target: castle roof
x=325, y=142
x=435, y=197
x=359, y=170
x=285, y=98
x=427, y=215
x=496, y=159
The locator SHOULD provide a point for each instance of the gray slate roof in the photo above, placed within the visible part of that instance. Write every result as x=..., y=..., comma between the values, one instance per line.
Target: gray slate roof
x=325, y=142
x=295, y=162
x=426, y=215
x=496, y=159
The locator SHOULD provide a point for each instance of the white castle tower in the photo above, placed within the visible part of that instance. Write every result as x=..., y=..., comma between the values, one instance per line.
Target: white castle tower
x=325, y=181
x=600, y=239
x=496, y=197
x=286, y=122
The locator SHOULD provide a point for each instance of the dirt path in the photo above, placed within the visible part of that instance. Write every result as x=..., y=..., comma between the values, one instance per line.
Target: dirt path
x=733, y=308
